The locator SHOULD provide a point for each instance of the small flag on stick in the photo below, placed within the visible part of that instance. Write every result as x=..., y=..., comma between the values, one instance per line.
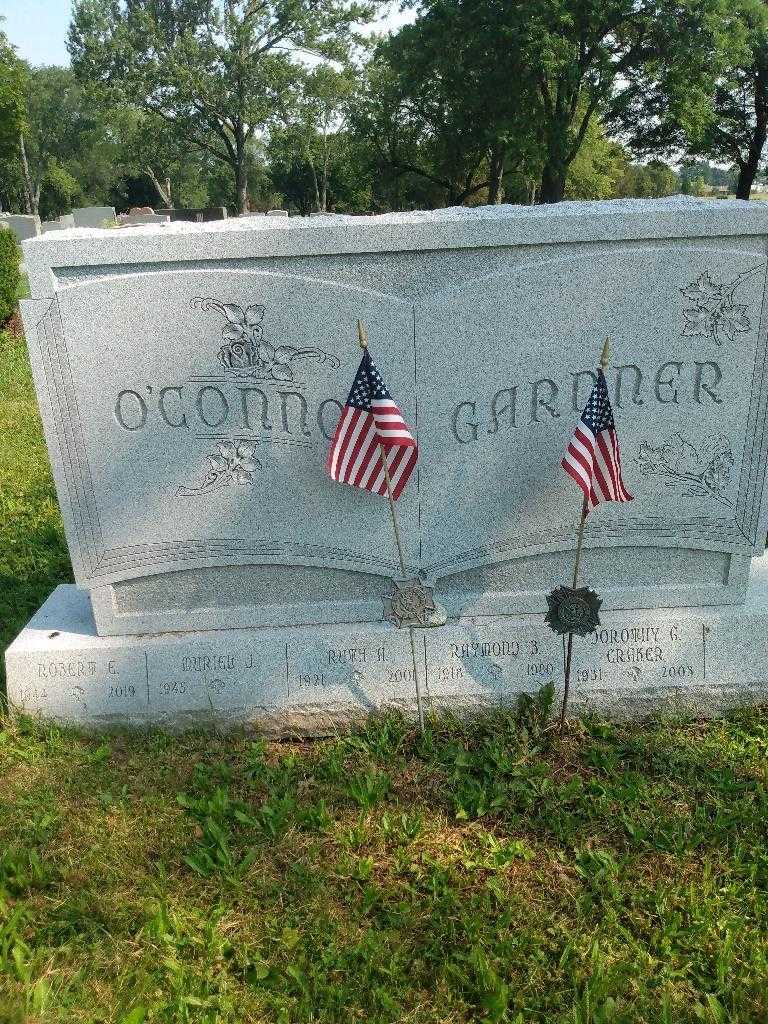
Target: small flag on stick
x=592, y=458
x=373, y=449
x=370, y=430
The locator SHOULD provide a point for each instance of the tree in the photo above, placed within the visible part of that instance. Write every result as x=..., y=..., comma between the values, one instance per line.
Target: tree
x=648, y=181
x=315, y=127
x=13, y=74
x=738, y=127
x=449, y=103
x=596, y=56
x=598, y=167
x=473, y=93
x=723, y=116
x=67, y=136
x=215, y=70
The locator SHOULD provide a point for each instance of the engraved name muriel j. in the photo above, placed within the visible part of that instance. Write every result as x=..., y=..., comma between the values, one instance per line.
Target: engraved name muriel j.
x=526, y=402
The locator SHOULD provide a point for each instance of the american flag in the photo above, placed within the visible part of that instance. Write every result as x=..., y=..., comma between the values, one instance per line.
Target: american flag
x=370, y=422
x=592, y=458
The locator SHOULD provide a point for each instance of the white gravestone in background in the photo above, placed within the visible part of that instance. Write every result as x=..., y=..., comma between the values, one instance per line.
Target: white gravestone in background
x=22, y=225
x=190, y=378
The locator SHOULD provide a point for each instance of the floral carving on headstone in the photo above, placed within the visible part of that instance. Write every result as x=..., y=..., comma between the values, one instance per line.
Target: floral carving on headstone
x=246, y=352
x=231, y=463
x=703, y=469
x=712, y=311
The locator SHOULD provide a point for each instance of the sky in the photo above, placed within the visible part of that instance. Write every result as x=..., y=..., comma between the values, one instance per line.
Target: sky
x=38, y=28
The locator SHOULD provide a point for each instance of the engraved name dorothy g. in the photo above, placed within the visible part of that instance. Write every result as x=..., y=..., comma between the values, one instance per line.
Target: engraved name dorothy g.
x=673, y=382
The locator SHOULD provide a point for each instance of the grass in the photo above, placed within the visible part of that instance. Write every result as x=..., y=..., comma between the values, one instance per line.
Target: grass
x=484, y=874
x=33, y=553
x=488, y=873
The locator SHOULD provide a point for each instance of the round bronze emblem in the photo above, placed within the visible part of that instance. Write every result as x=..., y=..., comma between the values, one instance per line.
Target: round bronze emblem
x=573, y=611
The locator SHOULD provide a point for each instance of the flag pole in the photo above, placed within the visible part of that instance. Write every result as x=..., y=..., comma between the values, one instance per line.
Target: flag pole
x=605, y=358
x=362, y=338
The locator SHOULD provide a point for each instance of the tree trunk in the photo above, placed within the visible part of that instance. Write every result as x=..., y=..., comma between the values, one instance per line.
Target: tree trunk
x=30, y=198
x=748, y=168
x=318, y=208
x=164, y=191
x=552, y=182
x=241, y=184
x=496, y=176
x=324, y=194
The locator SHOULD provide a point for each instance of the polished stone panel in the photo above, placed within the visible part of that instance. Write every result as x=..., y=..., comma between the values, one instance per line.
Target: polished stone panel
x=314, y=680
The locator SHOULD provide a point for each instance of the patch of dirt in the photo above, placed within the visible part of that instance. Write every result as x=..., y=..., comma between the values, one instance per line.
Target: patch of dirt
x=14, y=326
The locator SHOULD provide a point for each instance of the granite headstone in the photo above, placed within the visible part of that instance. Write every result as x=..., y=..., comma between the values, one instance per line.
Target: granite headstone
x=198, y=216
x=190, y=377
x=22, y=225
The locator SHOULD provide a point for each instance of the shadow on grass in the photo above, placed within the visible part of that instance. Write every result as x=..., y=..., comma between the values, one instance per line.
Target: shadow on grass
x=487, y=872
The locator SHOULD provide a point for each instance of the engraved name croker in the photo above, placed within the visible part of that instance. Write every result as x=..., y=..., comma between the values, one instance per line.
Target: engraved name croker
x=526, y=402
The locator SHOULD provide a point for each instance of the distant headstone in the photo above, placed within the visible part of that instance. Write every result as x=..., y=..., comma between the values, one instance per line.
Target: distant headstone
x=93, y=216
x=197, y=216
x=52, y=225
x=190, y=382
x=22, y=225
x=135, y=219
x=277, y=213
x=67, y=220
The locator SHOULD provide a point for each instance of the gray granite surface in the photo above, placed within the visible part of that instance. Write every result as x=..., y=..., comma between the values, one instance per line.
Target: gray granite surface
x=92, y=216
x=22, y=225
x=191, y=477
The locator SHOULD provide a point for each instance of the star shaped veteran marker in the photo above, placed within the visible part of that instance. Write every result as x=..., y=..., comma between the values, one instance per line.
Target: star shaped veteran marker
x=573, y=611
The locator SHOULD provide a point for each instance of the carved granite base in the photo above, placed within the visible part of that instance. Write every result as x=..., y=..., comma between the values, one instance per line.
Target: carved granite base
x=316, y=680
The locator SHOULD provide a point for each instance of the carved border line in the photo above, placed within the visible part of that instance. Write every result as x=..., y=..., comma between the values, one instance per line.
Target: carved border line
x=68, y=431
x=99, y=561
x=753, y=464
x=749, y=480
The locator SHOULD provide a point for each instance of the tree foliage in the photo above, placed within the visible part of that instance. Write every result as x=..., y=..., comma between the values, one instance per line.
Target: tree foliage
x=10, y=260
x=217, y=71
x=724, y=118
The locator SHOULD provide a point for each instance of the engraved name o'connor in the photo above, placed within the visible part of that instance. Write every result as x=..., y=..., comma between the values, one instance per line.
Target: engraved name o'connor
x=243, y=406
x=674, y=382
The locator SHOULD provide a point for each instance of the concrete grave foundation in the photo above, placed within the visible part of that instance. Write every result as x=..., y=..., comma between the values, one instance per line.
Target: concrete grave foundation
x=315, y=680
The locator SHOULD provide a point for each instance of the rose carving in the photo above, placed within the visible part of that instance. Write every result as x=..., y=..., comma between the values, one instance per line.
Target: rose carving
x=245, y=350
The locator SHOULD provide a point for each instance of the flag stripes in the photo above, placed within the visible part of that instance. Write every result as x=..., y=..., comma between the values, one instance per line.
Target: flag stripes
x=371, y=428
x=592, y=458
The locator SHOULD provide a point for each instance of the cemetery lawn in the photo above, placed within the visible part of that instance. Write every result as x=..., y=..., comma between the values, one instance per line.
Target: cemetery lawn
x=487, y=873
